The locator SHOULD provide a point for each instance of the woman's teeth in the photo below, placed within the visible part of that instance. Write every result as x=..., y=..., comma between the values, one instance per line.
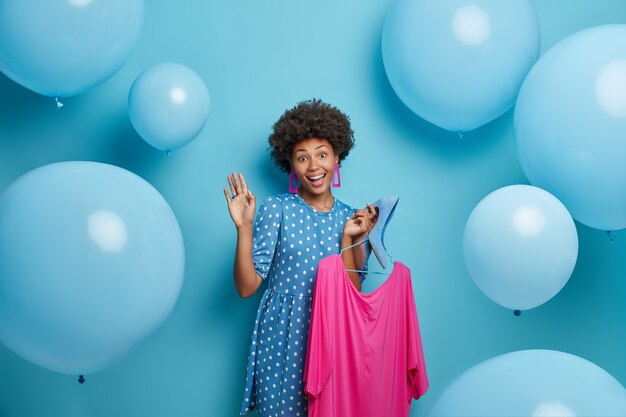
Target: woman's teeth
x=317, y=180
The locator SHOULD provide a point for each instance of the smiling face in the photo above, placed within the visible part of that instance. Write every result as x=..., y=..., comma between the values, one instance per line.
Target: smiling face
x=314, y=161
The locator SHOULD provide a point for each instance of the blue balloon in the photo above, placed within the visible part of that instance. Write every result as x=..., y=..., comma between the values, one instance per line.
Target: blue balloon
x=63, y=48
x=459, y=64
x=91, y=263
x=168, y=105
x=536, y=383
x=520, y=246
x=570, y=125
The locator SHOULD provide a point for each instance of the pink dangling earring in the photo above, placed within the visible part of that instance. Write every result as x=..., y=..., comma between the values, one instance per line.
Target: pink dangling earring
x=337, y=177
x=293, y=182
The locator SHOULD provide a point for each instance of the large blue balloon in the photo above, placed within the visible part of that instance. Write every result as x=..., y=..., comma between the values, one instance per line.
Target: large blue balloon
x=520, y=246
x=570, y=125
x=91, y=263
x=534, y=383
x=459, y=64
x=62, y=48
x=168, y=105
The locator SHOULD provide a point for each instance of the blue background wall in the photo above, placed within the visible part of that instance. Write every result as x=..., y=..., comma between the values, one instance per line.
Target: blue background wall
x=259, y=58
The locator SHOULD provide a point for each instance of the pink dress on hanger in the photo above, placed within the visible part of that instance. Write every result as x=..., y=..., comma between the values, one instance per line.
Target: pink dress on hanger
x=364, y=352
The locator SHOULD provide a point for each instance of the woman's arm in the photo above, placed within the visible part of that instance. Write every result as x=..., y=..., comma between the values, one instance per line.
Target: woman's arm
x=348, y=260
x=355, y=230
x=241, y=206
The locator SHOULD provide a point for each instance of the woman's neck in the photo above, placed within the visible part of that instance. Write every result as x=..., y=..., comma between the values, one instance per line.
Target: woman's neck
x=320, y=202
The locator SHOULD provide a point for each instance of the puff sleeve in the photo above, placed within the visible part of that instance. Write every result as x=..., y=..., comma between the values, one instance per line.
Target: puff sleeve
x=266, y=234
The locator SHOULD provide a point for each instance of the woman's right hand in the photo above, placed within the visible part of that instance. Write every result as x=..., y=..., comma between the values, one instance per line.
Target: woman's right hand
x=241, y=202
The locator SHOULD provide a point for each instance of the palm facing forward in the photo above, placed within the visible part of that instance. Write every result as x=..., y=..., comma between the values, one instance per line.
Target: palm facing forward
x=241, y=202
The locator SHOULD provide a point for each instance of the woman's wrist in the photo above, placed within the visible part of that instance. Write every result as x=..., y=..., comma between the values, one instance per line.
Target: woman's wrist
x=360, y=238
x=244, y=228
x=346, y=241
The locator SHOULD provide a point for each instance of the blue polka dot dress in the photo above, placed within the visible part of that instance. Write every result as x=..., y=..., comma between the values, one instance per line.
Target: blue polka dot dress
x=290, y=238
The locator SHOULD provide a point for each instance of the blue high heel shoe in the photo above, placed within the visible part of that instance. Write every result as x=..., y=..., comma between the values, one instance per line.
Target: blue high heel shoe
x=385, y=207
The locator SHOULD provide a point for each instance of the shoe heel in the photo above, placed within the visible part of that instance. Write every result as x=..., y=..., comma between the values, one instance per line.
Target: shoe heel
x=386, y=207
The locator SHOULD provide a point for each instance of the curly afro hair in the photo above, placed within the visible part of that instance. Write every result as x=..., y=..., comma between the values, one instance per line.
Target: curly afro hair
x=310, y=119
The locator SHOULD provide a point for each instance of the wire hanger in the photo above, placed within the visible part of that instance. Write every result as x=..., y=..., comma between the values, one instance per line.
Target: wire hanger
x=361, y=270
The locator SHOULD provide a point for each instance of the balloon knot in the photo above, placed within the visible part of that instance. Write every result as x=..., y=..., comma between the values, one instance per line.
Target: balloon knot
x=517, y=312
x=59, y=104
x=81, y=379
x=611, y=235
x=460, y=135
x=168, y=152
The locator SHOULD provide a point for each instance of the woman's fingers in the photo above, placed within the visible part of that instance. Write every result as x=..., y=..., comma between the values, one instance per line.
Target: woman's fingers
x=367, y=224
x=231, y=184
x=244, y=186
x=237, y=183
x=369, y=212
x=360, y=212
x=372, y=211
x=227, y=196
x=362, y=219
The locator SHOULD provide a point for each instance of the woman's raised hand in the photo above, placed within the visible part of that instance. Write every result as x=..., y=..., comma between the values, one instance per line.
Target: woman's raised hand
x=241, y=202
x=361, y=222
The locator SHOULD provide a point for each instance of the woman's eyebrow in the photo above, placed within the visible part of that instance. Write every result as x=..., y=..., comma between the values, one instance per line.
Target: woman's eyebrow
x=316, y=148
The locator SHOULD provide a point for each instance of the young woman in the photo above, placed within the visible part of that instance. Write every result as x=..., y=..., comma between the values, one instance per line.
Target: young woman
x=292, y=232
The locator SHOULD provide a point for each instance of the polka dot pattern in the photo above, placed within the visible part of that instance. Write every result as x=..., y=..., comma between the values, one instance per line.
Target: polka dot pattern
x=290, y=238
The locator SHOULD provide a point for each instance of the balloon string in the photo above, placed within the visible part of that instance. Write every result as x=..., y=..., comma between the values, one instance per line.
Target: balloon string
x=611, y=235
x=81, y=379
x=59, y=104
